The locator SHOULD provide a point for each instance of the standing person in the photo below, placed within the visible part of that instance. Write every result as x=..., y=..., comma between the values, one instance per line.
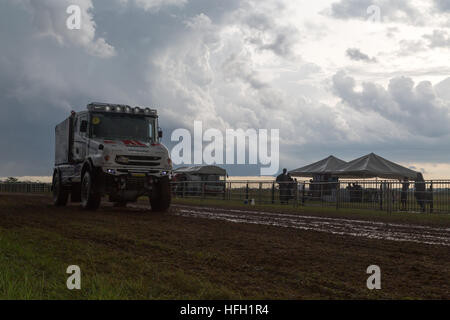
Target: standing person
x=430, y=197
x=282, y=181
x=419, y=193
x=404, y=194
x=290, y=190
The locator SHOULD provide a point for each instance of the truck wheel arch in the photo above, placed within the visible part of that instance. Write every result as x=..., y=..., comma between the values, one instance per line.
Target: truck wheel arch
x=88, y=165
x=55, y=171
x=95, y=174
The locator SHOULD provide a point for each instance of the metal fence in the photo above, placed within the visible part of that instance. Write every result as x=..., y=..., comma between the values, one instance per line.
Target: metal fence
x=25, y=187
x=427, y=196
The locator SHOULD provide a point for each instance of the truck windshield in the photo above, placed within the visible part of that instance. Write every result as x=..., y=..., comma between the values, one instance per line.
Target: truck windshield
x=123, y=126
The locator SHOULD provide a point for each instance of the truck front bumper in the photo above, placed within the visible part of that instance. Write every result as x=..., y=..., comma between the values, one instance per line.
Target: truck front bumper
x=142, y=181
x=136, y=171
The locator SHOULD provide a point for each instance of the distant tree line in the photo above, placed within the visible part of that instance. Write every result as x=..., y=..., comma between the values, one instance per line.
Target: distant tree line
x=10, y=180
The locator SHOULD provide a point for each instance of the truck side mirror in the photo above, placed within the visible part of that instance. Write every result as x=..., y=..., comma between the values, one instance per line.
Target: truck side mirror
x=83, y=126
x=160, y=134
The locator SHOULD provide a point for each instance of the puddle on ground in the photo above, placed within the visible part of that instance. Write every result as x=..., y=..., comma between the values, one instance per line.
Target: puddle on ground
x=358, y=228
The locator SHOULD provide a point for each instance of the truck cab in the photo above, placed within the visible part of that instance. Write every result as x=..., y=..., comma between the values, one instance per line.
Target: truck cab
x=111, y=150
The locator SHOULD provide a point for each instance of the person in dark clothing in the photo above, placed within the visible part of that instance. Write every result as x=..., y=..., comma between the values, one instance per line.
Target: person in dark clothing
x=404, y=194
x=350, y=192
x=283, y=182
x=420, y=190
x=430, y=197
x=358, y=194
x=291, y=187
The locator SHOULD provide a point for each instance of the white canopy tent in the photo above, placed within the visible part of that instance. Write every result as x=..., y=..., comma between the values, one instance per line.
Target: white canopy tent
x=202, y=170
x=372, y=166
x=324, y=166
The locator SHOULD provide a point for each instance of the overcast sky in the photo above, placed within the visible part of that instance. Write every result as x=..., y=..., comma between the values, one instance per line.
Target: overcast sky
x=335, y=76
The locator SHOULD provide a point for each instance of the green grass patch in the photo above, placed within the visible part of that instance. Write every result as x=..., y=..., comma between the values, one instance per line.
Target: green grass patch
x=33, y=266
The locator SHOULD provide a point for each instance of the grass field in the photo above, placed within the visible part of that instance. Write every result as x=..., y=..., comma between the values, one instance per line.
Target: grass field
x=135, y=254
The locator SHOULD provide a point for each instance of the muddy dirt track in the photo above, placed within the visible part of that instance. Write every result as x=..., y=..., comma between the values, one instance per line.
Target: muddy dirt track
x=239, y=253
x=366, y=229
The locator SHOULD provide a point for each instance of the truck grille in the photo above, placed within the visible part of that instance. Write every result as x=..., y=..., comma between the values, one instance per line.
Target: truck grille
x=135, y=183
x=143, y=161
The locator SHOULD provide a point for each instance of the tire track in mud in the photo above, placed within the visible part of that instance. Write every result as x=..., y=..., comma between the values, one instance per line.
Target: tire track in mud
x=337, y=226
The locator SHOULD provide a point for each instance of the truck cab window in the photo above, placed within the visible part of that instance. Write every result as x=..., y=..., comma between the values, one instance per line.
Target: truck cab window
x=81, y=125
x=123, y=126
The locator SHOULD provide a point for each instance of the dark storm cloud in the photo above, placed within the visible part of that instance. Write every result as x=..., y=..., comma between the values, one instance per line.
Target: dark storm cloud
x=282, y=38
x=442, y=5
x=203, y=60
x=438, y=39
x=443, y=89
x=356, y=55
x=43, y=78
x=417, y=108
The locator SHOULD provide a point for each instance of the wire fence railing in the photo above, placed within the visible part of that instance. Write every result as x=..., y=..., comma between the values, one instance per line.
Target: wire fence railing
x=425, y=196
x=25, y=187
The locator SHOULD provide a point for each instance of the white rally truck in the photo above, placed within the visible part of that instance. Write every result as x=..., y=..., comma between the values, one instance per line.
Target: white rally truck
x=111, y=150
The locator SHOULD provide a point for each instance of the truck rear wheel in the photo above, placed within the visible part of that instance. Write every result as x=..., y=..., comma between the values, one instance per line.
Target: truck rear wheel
x=160, y=197
x=90, y=200
x=75, y=195
x=60, y=195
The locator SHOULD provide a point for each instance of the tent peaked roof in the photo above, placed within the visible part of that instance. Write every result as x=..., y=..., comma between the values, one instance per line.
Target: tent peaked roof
x=372, y=165
x=327, y=165
x=202, y=170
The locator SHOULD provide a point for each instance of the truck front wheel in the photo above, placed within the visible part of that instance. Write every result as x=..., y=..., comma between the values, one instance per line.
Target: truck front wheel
x=90, y=199
x=60, y=195
x=160, y=197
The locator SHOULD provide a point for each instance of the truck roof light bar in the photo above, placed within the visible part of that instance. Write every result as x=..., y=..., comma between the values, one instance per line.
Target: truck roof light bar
x=119, y=108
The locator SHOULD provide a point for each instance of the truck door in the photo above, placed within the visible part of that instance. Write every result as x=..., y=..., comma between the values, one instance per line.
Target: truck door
x=80, y=138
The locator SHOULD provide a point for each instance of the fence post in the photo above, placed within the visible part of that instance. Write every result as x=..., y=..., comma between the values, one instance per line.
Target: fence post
x=321, y=193
x=273, y=192
x=389, y=197
x=381, y=196
x=431, y=197
x=260, y=193
x=203, y=184
x=337, y=195
x=296, y=195
x=303, y=193
x=246, y=192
